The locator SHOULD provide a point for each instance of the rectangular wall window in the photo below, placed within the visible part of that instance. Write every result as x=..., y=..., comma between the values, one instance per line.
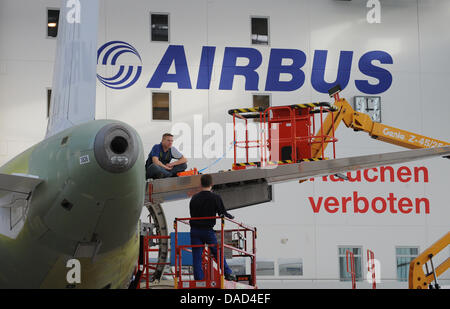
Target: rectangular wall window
x=404, y=255
x=261, y=100
x=159, y=27
x=260, y=30
x=49, y=97
x=237, y=265
x=52, y=22
x=343, y=274
x=160, y=106
x=265, y=268
x=369, y=105
x=290, y=267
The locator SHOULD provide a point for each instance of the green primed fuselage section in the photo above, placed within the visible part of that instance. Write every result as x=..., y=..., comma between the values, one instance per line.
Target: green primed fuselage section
x=105, y=209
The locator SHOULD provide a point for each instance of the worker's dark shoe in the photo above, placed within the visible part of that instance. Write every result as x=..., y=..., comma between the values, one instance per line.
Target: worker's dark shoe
x=230, y=277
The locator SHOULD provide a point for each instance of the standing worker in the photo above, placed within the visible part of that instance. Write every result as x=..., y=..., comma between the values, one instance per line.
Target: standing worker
x=158, y=163
x=206, y=204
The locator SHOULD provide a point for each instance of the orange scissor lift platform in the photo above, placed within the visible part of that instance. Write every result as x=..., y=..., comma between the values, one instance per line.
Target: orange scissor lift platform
x=214, y=277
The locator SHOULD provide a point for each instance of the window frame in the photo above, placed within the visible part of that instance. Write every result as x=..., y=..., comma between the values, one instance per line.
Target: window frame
x=289, y=276
x=366, y=102
x=170, y=106
x=260, y=94
x=396, y=256
x=47, y=9
x=361, y=266
x=234, y=263
x=268, y=30
x=267, y=260
x=168, y=26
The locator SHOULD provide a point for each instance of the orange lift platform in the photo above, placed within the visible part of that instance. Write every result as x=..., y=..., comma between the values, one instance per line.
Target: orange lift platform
x=239, y=241
x=243, y=244
x=286, y=134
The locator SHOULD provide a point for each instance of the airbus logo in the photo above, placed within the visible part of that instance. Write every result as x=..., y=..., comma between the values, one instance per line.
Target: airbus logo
x=108, y=54
x=285, y=69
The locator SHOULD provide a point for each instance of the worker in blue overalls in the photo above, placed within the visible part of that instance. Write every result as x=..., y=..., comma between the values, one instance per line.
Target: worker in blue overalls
x=158, y=163
x=206, y=204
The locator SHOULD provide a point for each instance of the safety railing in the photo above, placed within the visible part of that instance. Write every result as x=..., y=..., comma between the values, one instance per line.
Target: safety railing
x=148, y=268
x=371, y=267
x=270, y=121
x=213, y=271
x=350, y=257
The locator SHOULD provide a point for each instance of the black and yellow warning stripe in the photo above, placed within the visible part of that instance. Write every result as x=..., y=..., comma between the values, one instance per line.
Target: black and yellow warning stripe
x=258, y=164
x=290, y=161
x=247, y=164
x=311, y=105
x=305, y=105
x=245, y=110
x=280, y=162
x=253, y=112
x=312, y=159
x=260, y=109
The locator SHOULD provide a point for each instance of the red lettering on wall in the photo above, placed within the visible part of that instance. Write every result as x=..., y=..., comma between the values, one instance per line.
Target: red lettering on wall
x=369, y=179
x=354, y=179
x=377, y=205
x=383, y=203
x=426, y=202
x=424, y=171
x=315, y=207
x=356, y=200
x=335, y=179
x=384, y=174
x=383, y=170
x=391, y=199
x=402, y=172
x=344, y=203
x=331, y=202
x=405, y=205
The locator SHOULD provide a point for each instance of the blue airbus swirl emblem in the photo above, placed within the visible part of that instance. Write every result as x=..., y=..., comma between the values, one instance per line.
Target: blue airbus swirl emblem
x=125, y=77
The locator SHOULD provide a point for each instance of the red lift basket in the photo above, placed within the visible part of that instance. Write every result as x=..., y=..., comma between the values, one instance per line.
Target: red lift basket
x=286, y=133
x=214, y=270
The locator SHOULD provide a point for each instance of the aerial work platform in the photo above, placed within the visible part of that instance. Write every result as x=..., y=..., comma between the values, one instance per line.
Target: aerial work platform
x=286, y=133
x=239, y=240
x=292, y=147
x=243, y=245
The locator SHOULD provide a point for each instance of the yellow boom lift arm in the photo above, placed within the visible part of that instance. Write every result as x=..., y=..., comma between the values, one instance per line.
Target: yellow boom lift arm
x=418, y=279
x=362, y=122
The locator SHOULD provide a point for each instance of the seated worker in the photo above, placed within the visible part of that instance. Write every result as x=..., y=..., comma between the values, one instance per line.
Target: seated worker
x=158, y=163
x=206, y=204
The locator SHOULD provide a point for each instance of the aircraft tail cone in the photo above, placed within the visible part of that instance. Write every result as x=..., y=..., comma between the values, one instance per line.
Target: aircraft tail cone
x=116, y=147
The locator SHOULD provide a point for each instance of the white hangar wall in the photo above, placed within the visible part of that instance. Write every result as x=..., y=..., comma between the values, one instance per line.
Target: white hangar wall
x=413, y=33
